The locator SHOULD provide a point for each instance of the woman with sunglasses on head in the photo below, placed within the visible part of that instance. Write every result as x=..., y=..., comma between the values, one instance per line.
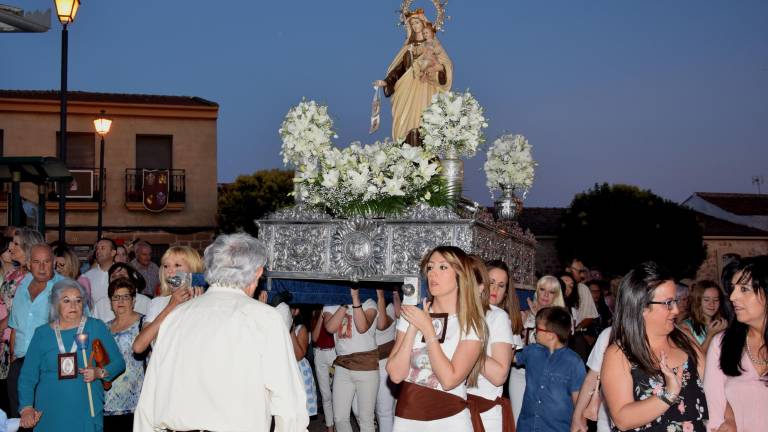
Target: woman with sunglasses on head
x=736, y=377
x=651, y=372
x=438, y=350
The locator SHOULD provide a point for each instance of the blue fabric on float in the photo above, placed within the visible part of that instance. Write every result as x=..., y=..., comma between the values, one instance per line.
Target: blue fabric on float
x=337, y=292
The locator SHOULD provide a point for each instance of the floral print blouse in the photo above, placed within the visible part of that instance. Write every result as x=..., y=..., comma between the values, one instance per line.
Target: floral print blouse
x=123, y=397
x=688, y=415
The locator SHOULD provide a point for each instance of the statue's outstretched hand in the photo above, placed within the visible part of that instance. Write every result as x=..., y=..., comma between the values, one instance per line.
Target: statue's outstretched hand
x=379, y=83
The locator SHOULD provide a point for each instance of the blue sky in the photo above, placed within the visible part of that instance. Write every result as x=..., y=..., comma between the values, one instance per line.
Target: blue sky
x=666, y=95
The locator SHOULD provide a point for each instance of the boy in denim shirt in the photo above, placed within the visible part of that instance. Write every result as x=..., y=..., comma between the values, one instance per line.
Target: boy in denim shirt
x=553, y=374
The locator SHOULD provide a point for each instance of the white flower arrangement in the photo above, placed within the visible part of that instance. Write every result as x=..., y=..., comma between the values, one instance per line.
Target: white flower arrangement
x=306, y=132
x=510, y=163
x=453, y=125
x=351, y=179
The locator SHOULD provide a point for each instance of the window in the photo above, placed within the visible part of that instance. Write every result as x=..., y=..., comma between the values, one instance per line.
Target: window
x=154, y=151
x=81, y=149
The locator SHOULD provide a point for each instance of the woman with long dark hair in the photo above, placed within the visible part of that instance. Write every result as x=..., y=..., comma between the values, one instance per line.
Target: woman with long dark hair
x=651, y=371
x=736, y=377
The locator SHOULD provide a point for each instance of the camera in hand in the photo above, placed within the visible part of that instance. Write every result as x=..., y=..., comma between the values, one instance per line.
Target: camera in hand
x=186, y=279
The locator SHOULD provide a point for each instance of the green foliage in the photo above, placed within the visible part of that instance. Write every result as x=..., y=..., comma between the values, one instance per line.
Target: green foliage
x=616, y=227
x=251, y=197
x=394, y=205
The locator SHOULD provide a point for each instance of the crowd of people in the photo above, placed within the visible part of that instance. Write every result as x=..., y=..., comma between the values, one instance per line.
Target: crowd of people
x=126, y=346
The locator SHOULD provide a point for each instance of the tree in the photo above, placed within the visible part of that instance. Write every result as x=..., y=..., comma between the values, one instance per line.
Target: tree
x=251, y=197
x=616, y=227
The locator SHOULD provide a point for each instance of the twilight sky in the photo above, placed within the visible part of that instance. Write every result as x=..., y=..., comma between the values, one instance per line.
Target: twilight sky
x=666, y=95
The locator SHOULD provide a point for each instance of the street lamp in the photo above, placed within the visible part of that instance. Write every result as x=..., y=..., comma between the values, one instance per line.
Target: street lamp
x=102, y=125
x=66, y=11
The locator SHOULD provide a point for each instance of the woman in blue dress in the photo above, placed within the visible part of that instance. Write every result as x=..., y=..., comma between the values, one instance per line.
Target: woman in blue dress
x=52, y=391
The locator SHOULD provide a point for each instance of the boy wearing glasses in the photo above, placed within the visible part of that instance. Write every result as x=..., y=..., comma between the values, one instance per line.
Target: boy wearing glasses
x=553, y=374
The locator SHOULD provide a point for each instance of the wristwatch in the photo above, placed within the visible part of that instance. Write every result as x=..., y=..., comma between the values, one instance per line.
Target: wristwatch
x=669, y=398
x=102, y=373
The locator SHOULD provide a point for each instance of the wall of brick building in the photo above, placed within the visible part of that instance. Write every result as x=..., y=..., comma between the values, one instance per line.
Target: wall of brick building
x=717, y=248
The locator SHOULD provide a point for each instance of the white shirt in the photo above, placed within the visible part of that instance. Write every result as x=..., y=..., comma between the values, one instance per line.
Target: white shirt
x=103, y=308
x=587, y=308
x=348, y=340
x=421, y=373
x=99, y=282
x=595, y=362
x=499, y=331
x=156, y=305
x=224, y=362
x=388, y=334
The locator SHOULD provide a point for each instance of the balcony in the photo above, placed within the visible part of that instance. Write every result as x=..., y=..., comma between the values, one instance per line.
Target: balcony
x=177, y=192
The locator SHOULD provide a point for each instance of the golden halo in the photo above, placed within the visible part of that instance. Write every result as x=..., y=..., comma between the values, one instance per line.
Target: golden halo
x=438, y=23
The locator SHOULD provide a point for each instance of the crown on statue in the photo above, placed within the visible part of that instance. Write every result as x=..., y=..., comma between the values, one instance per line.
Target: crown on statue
x=406, y=12
x=417, y=11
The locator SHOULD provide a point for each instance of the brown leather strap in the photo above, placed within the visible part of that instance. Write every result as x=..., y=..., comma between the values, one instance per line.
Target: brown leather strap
x=421, y=403
x=359, y=361
x=479, y=405
x=385, y=349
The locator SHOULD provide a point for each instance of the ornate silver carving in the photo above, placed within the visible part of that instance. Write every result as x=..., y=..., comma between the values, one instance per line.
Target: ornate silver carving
x=306, y=244
x=358, y=248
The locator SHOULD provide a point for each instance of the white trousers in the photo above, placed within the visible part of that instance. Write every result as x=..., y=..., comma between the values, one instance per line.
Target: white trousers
x=323, y=361
x=346, y=385
x=385, y=401
x=516, y=390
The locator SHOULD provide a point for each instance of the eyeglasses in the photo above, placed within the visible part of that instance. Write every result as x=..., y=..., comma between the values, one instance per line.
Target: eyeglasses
x=543, y=330
x=671, y=304
x=60, y=265
x=124, y=297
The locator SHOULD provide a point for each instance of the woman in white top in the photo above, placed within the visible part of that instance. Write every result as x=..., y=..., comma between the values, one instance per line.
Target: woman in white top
x=356, y=368
x=485, y=398
x=548, y=293
x=175, y=259
x=439, y=349
x=386, y=319
x=300, y=340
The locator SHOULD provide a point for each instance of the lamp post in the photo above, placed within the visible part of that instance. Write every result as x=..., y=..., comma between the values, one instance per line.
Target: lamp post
x=102, y=125
x=66, y=11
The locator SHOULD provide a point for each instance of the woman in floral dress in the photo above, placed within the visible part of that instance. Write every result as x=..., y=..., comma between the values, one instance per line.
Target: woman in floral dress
x=121, y=400
x=651, y=372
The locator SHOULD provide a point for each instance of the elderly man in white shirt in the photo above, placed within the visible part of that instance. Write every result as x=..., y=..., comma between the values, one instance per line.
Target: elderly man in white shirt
x=223, y=361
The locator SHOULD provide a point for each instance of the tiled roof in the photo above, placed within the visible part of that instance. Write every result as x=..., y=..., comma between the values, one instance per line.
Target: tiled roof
x=541, y=221
x=78, y=96
x=738, y=203
x=714, y=227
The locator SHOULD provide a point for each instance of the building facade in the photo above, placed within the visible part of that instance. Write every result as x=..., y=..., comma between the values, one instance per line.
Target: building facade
x=172, y=136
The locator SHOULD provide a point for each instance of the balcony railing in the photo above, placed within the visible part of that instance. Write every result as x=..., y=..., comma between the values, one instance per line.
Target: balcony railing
x=177, y=188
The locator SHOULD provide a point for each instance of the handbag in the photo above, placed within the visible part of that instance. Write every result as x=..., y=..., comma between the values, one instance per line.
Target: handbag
x=595, y=399
x=101, y=357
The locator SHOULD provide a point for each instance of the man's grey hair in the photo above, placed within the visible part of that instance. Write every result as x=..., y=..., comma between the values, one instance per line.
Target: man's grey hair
x=28, y=238
x=57, y=292
x=233, y=260
x=682, y=290
x=142, y=244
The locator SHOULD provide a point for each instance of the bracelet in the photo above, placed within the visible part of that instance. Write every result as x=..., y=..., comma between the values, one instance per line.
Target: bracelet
x=668, y=398
x=357, y=307
x=430, y=339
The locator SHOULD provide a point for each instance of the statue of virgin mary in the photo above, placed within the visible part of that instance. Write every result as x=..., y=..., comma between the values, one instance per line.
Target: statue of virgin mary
x=419, y=70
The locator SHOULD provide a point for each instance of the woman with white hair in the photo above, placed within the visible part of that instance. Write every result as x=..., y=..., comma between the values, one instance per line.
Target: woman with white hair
x=51, y=390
